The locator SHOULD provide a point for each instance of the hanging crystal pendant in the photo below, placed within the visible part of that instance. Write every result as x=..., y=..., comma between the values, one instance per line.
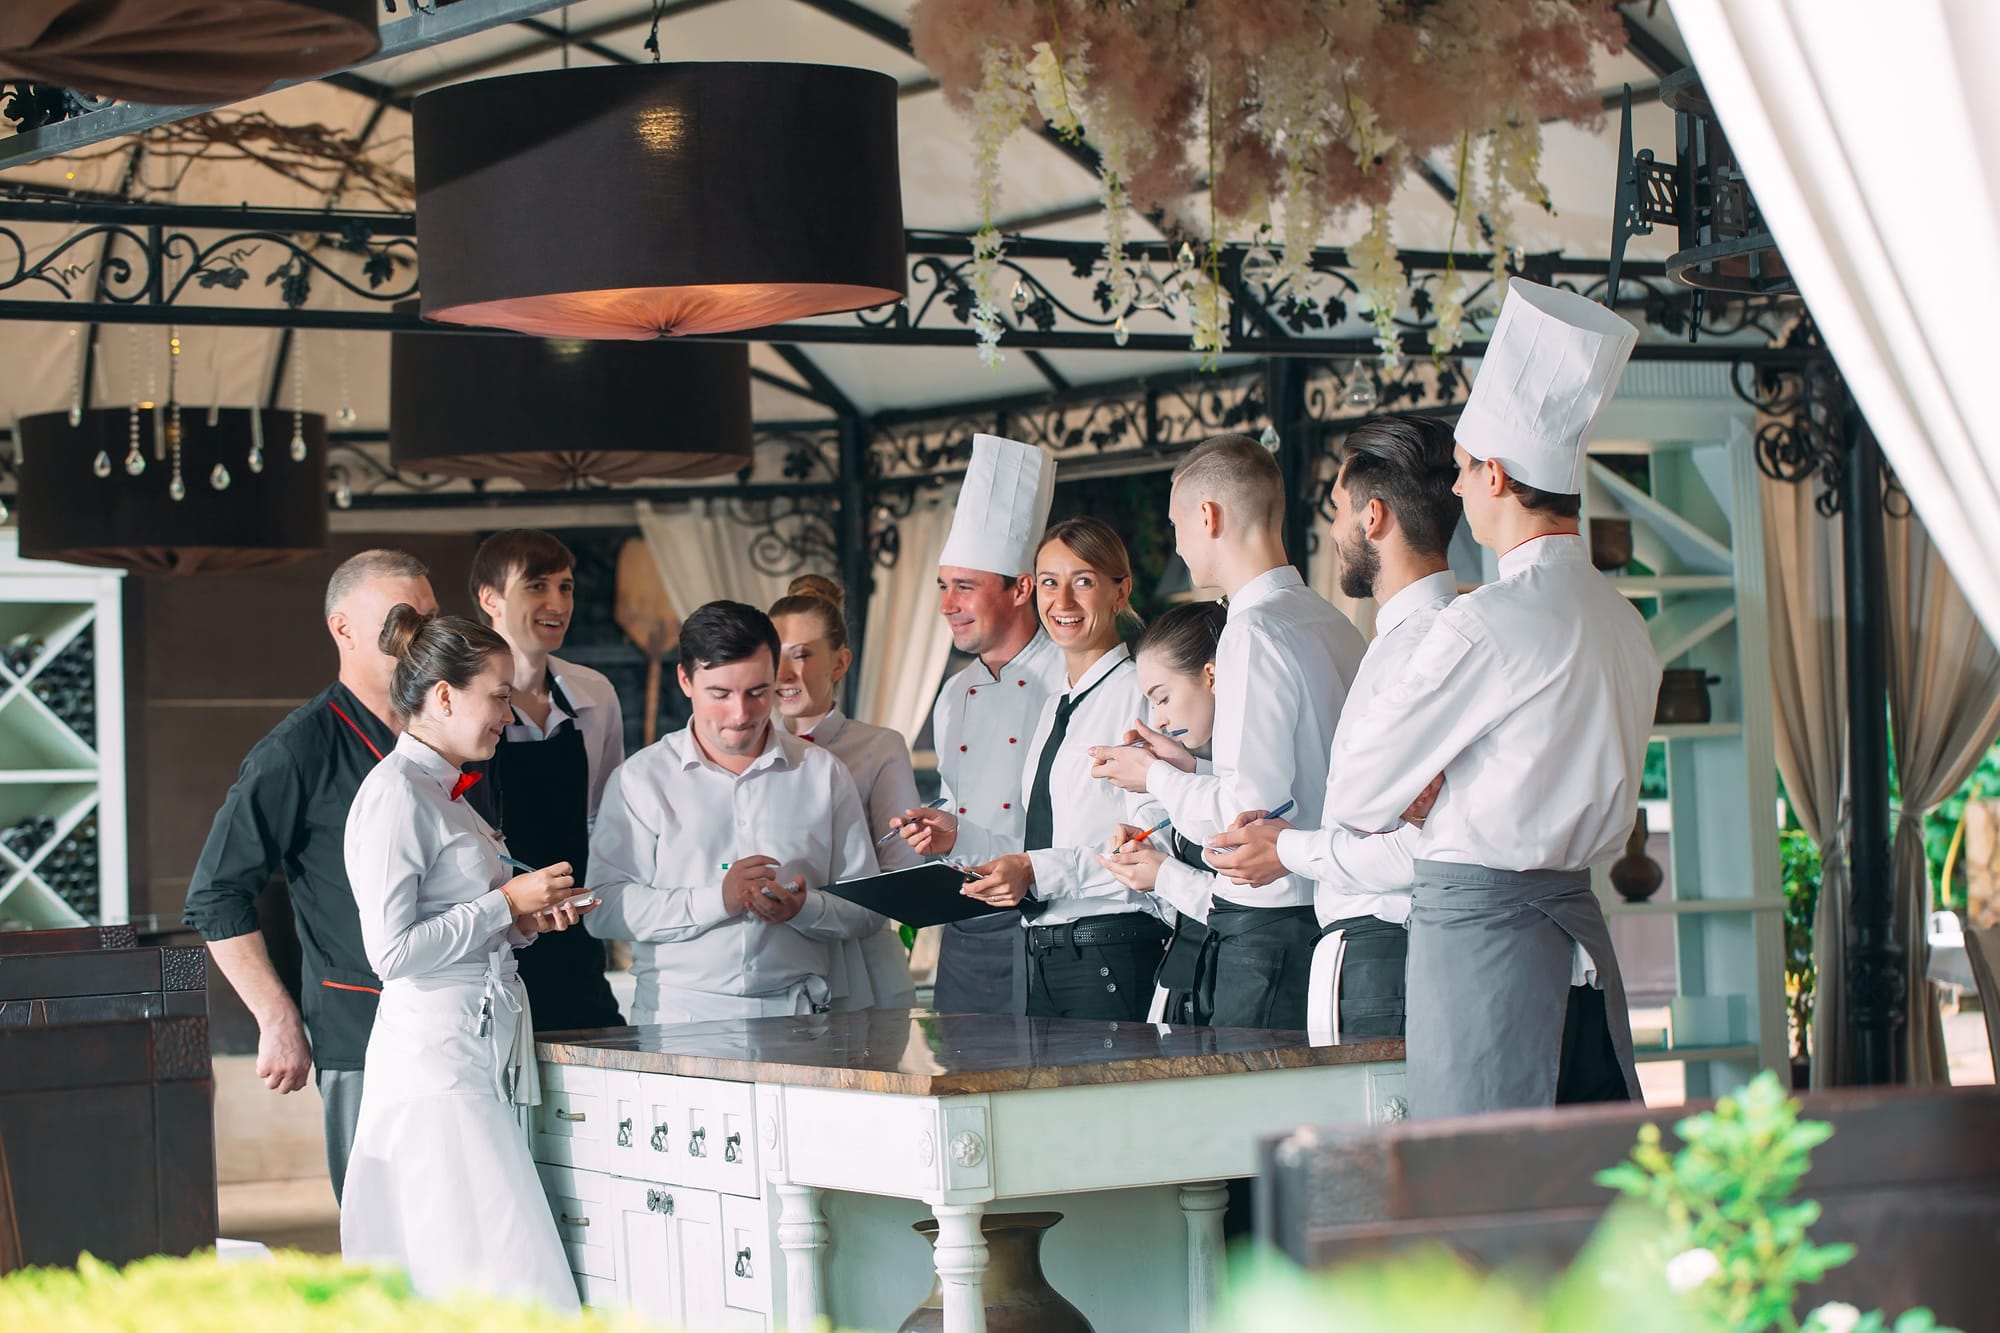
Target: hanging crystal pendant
x=218, y=477
x=1184, y=257
x=135, y=463
x=1360, y=393
x=346, y=416
x=1259, y=264
x=256, y=458
x=177, y=489
x=1021, y=297
x=1119, y=333
x=343, y=496
x=1269, y=438
x=298, y=449
x=75, y=416
x=101, y=465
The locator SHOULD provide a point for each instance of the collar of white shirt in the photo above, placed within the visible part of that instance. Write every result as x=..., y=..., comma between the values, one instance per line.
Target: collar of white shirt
x=1265, y=586
x=781, y=750
x=1099, y=669
x=1550, y=549
x=429, y=760
x=1423, y=592
x=1040, y=643
x=826, y=728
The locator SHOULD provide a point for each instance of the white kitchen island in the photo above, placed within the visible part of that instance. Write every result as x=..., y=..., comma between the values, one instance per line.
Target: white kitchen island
x=764, y=1173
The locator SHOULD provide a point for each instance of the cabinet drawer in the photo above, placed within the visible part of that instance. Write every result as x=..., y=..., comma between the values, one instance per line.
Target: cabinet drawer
x=599, y=1293
x=659, y=1147
x=722, y=1134
x=574, y=1078
x=569, y=1114
x=580, y=1202
x=746, y=1262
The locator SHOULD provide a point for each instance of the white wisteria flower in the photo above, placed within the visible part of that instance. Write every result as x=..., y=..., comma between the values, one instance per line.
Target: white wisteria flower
x=1057, y=83
x=1692, y=1268
x=1834, y=1317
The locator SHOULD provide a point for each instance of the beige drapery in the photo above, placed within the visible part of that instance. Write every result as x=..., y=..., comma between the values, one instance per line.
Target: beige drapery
x=1944, y=709
x=1809, y=697
x=704, y=556
x=907, y=642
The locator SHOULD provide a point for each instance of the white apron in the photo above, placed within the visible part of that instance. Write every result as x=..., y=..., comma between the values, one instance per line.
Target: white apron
x=440, y=1182
x=675, y=1004
x=871, y=973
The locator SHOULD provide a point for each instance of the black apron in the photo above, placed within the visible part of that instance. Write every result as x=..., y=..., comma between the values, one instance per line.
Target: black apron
x=537, y=793
x=1255, y=965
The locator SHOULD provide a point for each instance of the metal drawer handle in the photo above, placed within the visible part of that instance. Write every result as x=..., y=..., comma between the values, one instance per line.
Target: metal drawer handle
x=659, y=1139
x=659, y=1201
x=732, y=1148
x=698, y=1141
x=569, y=1221
x=625, y=1133
x=743, y=1263
x=576, y=1117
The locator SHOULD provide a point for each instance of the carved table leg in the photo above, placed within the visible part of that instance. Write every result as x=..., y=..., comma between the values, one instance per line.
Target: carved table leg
x=1202, y=1205
x=802, y=1235
x=961, y=1266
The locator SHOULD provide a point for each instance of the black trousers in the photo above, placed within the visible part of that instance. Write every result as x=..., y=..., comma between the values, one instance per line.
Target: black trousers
x=1589, y=1071
x=1105, y=981
x=1372, y=983
x=1262, y=965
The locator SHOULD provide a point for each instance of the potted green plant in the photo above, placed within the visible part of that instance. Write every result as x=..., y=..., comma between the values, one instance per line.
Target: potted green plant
x=1798, y=865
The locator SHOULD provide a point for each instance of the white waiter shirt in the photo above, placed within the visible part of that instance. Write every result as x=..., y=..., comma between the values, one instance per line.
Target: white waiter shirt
x=878, y=760
x=597, y=715
x=1358, y=875
x=1084, y=811
x=426, y=869
x=1534, y=696
x=981, y=726
x=1283, y=666
x=671, y=817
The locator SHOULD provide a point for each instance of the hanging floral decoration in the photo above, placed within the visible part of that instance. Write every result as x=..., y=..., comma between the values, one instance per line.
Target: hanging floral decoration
x=1293, y=114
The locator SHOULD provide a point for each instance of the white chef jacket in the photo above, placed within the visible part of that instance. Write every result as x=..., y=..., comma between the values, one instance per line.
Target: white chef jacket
x=671, y=818
x=1359, y=875
x=1085, y=811
x=1534, y=696
x=878, y=760
x=981, y=725
x=1282, y=668
x=425, y=869
x=597, y=715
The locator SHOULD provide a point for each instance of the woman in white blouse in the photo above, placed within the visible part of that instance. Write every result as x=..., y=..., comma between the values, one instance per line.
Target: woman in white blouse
x=439, y=1181
x=1093, y=945
x=871, y=973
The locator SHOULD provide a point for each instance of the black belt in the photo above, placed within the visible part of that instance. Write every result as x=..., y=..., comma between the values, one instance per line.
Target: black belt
x=1124, y=928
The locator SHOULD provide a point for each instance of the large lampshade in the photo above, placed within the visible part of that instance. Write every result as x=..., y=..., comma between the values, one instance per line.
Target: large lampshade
x=257, y=520
x=642, y=201
x=551, y=412
x=174, y=51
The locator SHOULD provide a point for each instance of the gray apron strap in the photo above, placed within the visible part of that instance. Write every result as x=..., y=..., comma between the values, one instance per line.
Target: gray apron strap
x=1489, y=981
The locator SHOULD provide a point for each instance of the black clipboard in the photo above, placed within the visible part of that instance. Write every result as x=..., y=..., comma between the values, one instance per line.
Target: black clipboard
x=925, y=895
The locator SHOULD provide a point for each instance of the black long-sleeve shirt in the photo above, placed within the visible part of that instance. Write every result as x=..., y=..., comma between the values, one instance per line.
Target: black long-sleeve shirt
x=288, y=810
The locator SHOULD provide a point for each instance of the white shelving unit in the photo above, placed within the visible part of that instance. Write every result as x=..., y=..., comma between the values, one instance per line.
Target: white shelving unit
x=48, y=769
x=1697, y=526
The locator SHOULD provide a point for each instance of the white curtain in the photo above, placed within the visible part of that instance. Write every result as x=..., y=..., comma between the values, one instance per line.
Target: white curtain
x=704, y=555
x=906, y=641
x=1868, y=135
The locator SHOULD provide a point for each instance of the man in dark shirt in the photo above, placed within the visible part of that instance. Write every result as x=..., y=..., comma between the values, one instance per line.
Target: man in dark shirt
x=288, y=810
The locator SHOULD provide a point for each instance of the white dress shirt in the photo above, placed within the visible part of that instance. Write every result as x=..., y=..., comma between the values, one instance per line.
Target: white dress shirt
x=425, y=869
x=1534, y=696
x=981, y=726
x=597, y=715
x=1358, y=874
x=1282, y=669
x=671, y=818
x=1085, y=811
x=878, y=760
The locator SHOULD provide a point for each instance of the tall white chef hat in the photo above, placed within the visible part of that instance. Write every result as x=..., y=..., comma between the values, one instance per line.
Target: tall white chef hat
x=1003, y=508
x=1554, y=360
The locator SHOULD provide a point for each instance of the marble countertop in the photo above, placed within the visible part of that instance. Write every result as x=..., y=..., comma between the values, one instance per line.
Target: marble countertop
x=918, y=1053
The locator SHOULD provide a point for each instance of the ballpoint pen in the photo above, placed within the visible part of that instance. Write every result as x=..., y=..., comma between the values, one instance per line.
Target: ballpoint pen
x=1177, y=731
x=1134, y=842
x=1278, y=813
x=938, y=804
x=724, y=868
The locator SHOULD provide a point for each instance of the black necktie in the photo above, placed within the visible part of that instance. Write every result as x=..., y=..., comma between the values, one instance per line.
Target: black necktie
x=1040, y=829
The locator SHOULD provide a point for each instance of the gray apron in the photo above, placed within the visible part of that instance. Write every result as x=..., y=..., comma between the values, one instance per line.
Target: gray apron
x=1491, y=955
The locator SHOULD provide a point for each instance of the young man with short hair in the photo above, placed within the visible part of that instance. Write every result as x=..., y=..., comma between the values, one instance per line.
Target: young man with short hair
x=1282, y=668
x=713, y=844
x=545, y=780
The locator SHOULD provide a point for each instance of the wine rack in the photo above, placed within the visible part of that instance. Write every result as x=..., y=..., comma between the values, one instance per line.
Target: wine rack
x=62, y=744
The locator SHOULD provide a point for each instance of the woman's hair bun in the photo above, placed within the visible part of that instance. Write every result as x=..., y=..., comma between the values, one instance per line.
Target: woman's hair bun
x=400, y=628
x=819, y=586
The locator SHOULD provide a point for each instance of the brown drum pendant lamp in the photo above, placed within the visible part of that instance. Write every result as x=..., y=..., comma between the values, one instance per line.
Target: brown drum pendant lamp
x=175, y=51
x=644, y=201
x=552, y=413
x=244, y=504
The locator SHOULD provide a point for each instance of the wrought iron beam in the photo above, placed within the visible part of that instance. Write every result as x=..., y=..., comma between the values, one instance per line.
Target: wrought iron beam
x=823, y=388
x=420, y=30
x=1651, y=52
